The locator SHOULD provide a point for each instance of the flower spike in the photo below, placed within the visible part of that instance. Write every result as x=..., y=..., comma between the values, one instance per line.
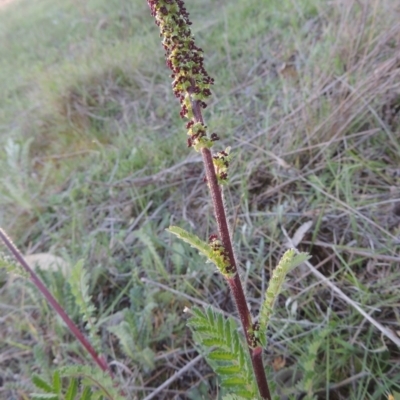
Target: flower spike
x=191, y=82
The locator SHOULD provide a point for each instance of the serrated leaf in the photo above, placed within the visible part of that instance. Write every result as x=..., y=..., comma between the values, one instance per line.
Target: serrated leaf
x=236, y=343
x=203, y=248
x=227, y=370
x=194, y=241
x=288, y=261
x=42, y=384
x=221, y=356
x=94, y=377
x=210, y=316
x=228, y=357
x=242, y=357
x=202, y=328
x=212, y=342
x=298, y=260
x=196, y=311
x=221, y=323
x=233, y=381
x=228, y=333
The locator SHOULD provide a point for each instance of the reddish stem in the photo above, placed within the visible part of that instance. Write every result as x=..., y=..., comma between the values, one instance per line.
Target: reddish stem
x=235, y=284
x=99, y=360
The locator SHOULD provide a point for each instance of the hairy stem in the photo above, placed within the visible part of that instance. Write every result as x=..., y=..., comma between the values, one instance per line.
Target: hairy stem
x=99, y=360
x=235, y=283
x=191, y=85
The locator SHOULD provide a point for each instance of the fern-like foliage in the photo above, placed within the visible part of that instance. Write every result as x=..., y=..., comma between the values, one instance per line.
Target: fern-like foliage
x=304, y=379
x=103, y=385
x=288, y=261
x=133, y=343
x=8, y=262
x=214, y=254
x=226, y=353
x=54, y=390
x=136, y=331
x=80, y=283
x=60, y=288
x=83, y=383
x=307, y=364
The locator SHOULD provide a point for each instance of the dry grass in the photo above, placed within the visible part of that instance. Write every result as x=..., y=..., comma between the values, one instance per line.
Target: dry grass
x=308, y=96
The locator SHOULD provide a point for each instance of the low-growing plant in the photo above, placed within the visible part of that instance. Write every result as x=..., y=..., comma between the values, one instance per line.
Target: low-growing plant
x=235, y=357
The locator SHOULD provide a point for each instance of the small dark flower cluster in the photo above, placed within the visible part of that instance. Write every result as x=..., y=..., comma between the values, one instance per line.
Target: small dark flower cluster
x=254, y=335
x=196, y=132
x=191, y=83
x=221, y=162
x=184, y=58
x=218, y=249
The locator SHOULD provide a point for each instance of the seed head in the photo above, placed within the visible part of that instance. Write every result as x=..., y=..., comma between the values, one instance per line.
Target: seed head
x=190, y=81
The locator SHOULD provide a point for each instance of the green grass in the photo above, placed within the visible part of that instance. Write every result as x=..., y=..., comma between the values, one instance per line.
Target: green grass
x=95, y=166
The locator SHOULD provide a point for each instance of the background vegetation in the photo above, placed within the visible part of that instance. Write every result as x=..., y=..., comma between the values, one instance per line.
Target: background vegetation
x=94, y=166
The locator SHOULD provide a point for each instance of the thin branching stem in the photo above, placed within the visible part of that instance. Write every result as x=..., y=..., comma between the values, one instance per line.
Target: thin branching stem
x=235, y=283
x=99, y=360
x=191, y=85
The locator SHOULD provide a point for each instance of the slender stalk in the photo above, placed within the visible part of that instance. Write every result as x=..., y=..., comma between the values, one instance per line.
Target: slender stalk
x=98, y=359
x=191, y=85
x=235, y=283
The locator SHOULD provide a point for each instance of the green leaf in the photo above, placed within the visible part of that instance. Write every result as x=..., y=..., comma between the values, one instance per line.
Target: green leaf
x=94, y=377
x=44, y=396
x=227, y=370
x=86, y=394
x=204, y=248
x=57, y=382
x=220, y=356
x=79, y=281
x=308, y=361
x=41, y=384
x=210, y=342
x=233, y=382
x=288, y=261
x=72, y=390
x=228, y=357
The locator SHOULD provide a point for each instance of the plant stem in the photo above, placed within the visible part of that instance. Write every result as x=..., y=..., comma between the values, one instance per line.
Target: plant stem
x=235, y=283
x=191, y=85
x=99, y=360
